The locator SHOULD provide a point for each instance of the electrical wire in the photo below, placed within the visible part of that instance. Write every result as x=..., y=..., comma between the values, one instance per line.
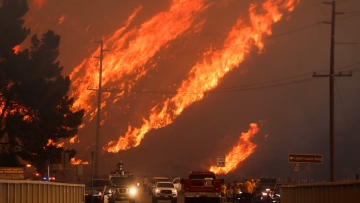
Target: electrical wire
x=247, y=87
x=228, y=91
x=348, y=17
x=225, y=47
x=341, y=103
x=289, y=32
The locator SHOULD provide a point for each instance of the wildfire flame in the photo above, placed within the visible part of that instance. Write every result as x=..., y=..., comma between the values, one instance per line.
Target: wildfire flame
x=205, y=75
x=52, y=143
x=238, y=153
x=78, y=161
x=61, y=19
x=16, y=49
x=72, y=140
x=130, y=51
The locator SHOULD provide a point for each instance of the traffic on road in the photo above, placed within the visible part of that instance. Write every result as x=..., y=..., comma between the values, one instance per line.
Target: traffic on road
x=198, y=187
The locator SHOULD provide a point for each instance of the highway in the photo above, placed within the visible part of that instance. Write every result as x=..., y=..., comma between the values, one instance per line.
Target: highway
x=144, y=197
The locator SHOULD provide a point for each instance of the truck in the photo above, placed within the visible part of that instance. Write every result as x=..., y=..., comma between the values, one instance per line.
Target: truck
x=123, y=186
x=202, y=186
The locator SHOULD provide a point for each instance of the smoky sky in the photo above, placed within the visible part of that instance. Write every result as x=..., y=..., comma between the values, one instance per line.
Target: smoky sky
x=274, y=88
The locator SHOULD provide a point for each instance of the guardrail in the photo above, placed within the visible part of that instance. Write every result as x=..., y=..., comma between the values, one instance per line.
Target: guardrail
x=27, y=191
x=329, y=192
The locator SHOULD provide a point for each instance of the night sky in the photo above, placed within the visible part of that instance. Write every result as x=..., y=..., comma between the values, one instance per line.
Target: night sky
x=273, y=87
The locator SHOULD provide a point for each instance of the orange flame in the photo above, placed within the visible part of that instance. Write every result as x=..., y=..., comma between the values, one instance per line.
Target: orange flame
x=61, y=19
x=205, y=75
x=50, y=142
x=77, y=162
x=140, y=44
x=72, y=140
x=238, y=153
x=16, y=49
x=61, y=144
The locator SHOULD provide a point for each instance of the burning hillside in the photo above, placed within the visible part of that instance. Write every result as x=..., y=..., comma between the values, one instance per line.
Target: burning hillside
x=134, y=52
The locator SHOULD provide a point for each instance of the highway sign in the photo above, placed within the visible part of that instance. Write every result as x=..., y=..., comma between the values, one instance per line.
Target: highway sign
x=306, y=158
x=12, y=173
x=221, y=161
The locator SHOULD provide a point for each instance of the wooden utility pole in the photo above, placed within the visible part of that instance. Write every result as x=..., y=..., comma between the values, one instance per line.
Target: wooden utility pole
x=98, y=121
x=332, y=76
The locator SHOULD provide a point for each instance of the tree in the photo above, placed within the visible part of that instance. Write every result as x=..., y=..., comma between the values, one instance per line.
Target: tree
x=35, y=110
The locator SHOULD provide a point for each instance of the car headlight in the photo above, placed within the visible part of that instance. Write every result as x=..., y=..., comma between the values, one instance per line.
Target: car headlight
x=264, y=194
x=132, y=191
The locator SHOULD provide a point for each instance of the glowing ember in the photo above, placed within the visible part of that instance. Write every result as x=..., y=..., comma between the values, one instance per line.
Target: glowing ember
x=238, y=153
x=50, y=142
x=72, y=140
x=79, y=161
x=60, y=144
x=62, y=18
x=205, y=75
x=16, y=49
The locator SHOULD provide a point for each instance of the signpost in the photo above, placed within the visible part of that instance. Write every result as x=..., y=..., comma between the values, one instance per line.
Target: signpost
x=221, y=161
x=296, y=167
x=306, y=158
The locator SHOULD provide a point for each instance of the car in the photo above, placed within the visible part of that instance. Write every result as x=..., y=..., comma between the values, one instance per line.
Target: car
x=91, y=195
x=152, y=182
x=164, y=190
x=123, y=188
x=100, y=184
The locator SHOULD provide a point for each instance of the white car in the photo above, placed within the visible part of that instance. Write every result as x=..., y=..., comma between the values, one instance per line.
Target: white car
x=164, y=191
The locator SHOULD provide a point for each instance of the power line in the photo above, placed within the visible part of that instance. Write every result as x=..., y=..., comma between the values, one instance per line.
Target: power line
x=296, y=30
x=295, y=11
x=225, y=47
x=349, y=17
x=239, y=88
x=243, y=87
x=341, y=102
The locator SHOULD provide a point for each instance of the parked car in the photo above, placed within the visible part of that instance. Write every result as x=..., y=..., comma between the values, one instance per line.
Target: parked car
x=99, y=185
x=92, y=195
x=164, y=191
x=152, y=182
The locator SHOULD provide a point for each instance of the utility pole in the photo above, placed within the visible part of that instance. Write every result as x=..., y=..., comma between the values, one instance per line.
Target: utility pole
x=100, y=91
x=332, y=76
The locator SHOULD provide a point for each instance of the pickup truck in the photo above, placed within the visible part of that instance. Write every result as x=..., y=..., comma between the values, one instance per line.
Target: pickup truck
x=164, y=191
x=202, y=186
